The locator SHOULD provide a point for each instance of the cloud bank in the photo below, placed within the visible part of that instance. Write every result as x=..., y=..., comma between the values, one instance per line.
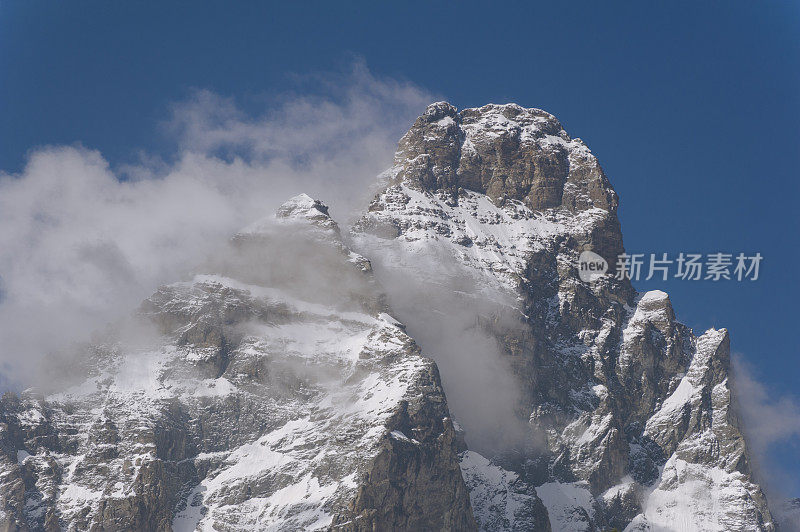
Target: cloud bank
x=769, y=421
x=82, y=242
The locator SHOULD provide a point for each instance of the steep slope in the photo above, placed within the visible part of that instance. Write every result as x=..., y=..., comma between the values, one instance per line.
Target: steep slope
x=273, y=394
x=275, y=391
x=630, y=416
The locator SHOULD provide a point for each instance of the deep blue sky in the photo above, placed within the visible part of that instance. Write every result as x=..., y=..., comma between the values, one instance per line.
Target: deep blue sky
x=692, y=108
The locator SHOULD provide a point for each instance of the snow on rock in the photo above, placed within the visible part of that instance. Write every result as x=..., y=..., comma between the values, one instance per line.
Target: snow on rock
x=501, y=199
x=248, y=402
x=698, y=498
x=500, y=500
x=304, y=207
x=278, y=391
x=484, y=236
x=569, y=506
x=301, y=208
x=705, y=484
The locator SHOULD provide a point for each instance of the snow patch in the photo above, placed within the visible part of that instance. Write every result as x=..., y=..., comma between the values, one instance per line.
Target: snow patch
x=569, y=505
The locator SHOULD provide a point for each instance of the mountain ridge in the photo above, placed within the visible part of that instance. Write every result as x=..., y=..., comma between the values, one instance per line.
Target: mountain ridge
x=605, y=373
x=291, y=385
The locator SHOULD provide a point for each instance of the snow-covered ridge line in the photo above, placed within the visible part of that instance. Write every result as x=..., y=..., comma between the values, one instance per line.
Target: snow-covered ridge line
x=255, y=406
x=282, y=388
x=626, y=405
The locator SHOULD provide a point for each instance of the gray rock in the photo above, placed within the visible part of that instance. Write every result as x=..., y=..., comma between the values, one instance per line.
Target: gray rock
x=257, y=397
x=278, y=391
x=631, y=414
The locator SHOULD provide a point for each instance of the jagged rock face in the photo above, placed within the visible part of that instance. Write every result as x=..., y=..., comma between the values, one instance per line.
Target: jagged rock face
x=502, y=151
x=631, y=415
x=277, y=392
x=253, y=406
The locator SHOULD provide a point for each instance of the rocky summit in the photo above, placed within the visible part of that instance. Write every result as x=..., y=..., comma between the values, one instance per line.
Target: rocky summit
x=295, y=383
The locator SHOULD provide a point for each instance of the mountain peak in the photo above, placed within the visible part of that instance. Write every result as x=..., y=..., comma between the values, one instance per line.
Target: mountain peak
x=438, y=110
x=300, y=208
x=303, y=206
x=633, y=423
x=280, y=394
x=504, y=151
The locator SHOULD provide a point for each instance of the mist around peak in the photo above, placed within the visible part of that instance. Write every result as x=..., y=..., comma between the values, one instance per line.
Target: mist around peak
x=83, y=241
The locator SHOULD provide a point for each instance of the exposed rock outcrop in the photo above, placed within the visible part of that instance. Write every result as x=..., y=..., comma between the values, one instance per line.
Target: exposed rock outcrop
x=264, y=399
x=277, y=392
x=631, y=415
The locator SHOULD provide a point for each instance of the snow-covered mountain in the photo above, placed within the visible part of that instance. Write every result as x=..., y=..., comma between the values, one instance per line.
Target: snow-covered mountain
x=294, y=384
x=251, y=408
x=633, y=424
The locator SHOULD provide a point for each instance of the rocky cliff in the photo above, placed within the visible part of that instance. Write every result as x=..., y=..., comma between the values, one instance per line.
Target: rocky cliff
x=632, y=419
x=272, y=394
x=277, y=390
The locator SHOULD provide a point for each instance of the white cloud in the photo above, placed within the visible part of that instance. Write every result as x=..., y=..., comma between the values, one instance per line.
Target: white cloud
x=81, y=243
x=457, y=320
x=769, y=419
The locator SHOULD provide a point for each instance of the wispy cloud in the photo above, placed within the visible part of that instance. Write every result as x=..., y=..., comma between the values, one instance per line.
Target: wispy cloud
x=82, y=242
x=769, y=420
x=458, y=325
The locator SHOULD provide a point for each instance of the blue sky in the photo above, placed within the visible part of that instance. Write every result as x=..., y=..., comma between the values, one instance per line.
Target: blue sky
x=693, y=109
